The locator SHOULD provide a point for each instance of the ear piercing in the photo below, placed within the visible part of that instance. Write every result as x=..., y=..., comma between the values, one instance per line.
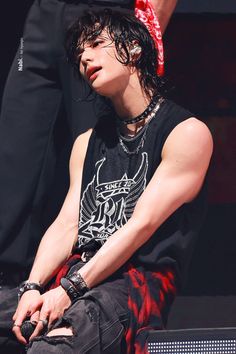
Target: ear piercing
x=135, y=50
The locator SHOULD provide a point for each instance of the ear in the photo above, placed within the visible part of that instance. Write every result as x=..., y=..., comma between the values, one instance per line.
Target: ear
x=135, y=51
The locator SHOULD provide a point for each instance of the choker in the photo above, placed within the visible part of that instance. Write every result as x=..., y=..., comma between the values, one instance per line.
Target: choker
x=142, y=134
x=143, y=115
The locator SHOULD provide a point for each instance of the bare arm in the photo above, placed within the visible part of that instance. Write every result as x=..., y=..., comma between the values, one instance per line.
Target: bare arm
x=55, y=246
x=58, y=241
x=177, y=180
x=164, y=10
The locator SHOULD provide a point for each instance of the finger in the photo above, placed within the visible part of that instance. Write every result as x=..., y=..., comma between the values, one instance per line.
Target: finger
x=35, y=307
x=42, y=323
x=39, y=328
x=17, y=331
x=35, y=318
x=20, y=318
x=14, y=317
x=53, y=317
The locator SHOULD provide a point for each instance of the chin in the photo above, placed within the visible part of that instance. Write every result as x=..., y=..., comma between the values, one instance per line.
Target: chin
x=103, y=91
x=107, y=87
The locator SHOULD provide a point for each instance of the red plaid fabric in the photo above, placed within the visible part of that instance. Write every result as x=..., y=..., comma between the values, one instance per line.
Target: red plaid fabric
x=64, y=270
x=150, y=297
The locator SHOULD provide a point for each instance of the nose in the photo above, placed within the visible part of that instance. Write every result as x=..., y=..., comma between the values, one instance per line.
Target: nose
x=87, y=56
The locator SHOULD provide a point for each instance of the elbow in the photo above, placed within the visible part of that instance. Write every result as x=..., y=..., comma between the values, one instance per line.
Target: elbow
x=66, y=223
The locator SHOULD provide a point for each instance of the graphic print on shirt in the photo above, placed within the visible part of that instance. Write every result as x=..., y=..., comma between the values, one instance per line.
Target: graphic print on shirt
x=107, y=206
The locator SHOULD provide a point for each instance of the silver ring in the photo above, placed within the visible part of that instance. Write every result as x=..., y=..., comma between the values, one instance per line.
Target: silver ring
x=16, y=325
x=44, y=322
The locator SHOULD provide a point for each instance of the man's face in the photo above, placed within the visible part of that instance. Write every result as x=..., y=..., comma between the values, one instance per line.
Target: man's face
x=99, y=65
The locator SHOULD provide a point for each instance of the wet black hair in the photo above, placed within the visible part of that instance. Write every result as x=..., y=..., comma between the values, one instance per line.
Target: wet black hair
x=124, y=29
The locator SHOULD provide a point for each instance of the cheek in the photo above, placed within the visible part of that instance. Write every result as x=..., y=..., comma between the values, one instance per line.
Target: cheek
x=117, y=71
x=113, y=65
x=112, y=82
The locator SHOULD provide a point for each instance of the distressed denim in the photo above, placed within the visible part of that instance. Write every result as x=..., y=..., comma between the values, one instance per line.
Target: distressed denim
x=98, y=320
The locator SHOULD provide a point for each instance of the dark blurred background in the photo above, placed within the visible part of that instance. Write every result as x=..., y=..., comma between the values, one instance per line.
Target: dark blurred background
x=200, y=67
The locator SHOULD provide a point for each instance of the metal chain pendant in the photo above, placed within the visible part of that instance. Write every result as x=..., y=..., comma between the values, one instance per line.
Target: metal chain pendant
x=123, y=139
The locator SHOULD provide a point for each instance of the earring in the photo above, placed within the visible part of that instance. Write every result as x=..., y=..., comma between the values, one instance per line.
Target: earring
x=135, y=50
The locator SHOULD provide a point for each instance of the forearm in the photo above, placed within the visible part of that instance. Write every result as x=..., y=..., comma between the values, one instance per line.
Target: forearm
x=164, y=10
x=177, y=180
x=112, y=255
x=120, y=246
x=54, y=249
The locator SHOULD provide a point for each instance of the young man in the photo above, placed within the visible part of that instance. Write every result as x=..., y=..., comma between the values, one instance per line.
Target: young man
x=40, y=82
x=137, y=190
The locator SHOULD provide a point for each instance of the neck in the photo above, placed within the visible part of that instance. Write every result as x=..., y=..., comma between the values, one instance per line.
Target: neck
x=131, y=102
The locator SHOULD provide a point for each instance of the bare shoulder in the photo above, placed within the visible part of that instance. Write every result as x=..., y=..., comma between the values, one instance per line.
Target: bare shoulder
x=79, y=150
x=190, y=134
x=189, y=141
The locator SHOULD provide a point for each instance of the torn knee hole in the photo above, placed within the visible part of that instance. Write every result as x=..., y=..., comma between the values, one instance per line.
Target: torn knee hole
x=65, y=331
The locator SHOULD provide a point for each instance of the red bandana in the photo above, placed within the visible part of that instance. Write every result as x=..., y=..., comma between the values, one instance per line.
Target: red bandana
x=144, y=11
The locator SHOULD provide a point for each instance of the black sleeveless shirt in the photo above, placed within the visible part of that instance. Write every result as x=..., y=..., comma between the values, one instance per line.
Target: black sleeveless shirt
x=113, y=181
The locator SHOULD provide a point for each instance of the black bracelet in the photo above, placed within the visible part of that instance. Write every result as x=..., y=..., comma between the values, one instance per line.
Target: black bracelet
x=26, y=286
x=78, y=282
x=70, y=289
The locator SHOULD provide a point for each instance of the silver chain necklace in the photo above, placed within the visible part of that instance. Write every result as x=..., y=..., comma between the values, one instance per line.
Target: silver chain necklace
x=140, y=145
x=142, y=132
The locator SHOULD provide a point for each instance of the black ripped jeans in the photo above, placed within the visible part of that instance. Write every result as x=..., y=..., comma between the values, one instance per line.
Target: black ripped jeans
x=98, y=321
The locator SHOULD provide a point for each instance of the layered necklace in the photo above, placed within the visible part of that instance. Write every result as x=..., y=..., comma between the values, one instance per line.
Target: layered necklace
x=149, y=113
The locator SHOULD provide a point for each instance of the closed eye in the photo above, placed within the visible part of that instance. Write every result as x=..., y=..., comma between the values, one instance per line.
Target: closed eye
x=97, y=43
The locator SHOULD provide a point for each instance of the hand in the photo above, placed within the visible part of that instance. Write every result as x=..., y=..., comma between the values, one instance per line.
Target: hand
x=55, y=302
x=30, y=302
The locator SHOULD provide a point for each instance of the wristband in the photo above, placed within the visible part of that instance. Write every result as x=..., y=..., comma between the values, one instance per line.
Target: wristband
x=26, y=286
x=78, y=282
x=70, y=289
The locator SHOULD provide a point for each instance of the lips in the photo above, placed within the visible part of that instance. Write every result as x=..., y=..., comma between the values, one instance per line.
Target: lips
x=91, y=71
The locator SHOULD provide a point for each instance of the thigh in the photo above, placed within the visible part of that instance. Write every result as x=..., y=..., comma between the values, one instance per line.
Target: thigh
x=98, y=320
x=8, y=303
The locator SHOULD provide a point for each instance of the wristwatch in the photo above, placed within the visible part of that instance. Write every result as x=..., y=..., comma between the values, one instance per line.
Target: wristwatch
x=26, y=286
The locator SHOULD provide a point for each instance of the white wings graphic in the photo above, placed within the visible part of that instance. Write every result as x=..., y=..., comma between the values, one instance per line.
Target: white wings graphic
x=107, y=206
